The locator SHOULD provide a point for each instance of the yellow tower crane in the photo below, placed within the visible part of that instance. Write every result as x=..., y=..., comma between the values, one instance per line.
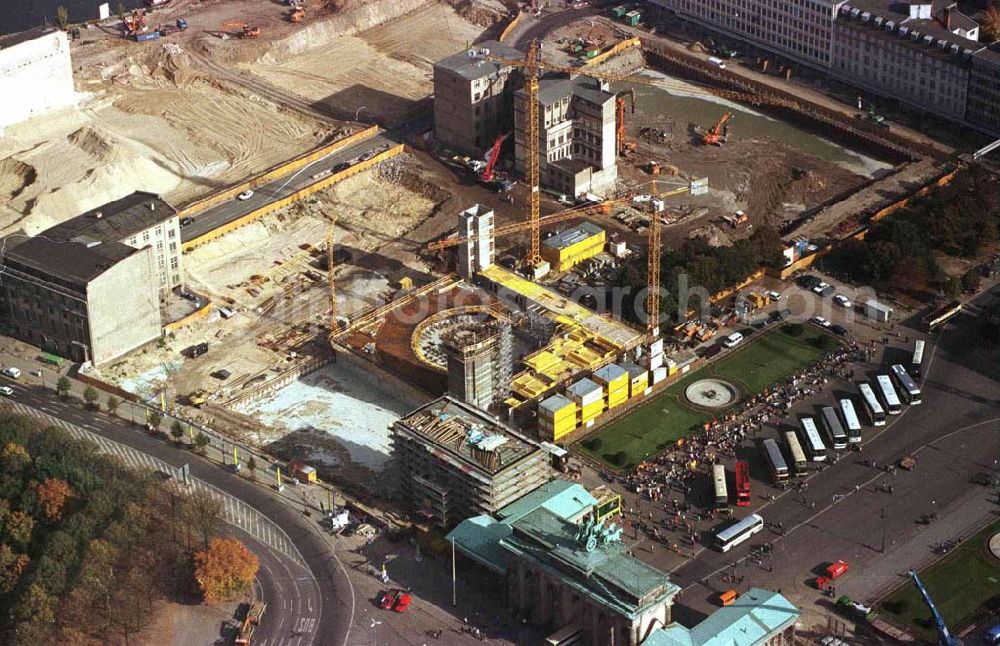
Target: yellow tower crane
x=605, y=208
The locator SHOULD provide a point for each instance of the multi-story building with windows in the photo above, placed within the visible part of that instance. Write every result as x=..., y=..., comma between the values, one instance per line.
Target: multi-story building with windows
x=473, y=97
x=576, y=130
x=923, y=53
x=89, y=289
x=137, y=220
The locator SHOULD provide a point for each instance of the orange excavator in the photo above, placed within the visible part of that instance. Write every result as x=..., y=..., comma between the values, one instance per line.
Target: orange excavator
x=717, y=135
x=240, y=29
x=135, y=23
x=625, y=148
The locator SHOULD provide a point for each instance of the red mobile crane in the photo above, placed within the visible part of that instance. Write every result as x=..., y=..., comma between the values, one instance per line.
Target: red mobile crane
x=487, y=174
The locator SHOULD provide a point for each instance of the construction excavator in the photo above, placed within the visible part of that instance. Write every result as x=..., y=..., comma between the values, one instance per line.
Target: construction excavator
x=625, y=148
x=719, y=132
x=239, y=29
x=135, y=23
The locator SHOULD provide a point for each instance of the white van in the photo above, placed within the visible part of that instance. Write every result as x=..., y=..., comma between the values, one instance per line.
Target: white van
x=12, y=372
x=732, y=340
x=717, y=62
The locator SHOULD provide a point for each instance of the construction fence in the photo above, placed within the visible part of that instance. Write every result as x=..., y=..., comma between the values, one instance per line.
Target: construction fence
x=614, y=50
x=279, y=170
x=267, y=209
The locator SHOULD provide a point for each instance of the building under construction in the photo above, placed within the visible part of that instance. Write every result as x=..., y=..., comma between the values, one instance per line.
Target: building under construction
x=480, y=363
x=456, y=461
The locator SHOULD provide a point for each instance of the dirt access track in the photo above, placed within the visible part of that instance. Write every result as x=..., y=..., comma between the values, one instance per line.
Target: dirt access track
x=192, y=113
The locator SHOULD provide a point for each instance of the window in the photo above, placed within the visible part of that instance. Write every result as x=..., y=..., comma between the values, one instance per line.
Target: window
x=145, y=236
x=172, y=233
x=174, y=262
x=173, y=246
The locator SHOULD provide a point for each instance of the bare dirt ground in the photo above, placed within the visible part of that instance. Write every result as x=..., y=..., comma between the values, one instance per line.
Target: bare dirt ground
x=380, y=72
x=188, y=114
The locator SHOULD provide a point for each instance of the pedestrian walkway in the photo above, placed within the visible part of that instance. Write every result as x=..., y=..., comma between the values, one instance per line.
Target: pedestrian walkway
x=233, y=510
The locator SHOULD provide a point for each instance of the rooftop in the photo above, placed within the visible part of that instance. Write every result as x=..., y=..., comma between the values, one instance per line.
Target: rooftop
x=572, y=236
x=753, y=617
x=9, y=40
x=74, y=262
x=115, y=221
x=467, y=436
x=891, y=19
x=545, y=527
x=477, y=66
x=553, y=88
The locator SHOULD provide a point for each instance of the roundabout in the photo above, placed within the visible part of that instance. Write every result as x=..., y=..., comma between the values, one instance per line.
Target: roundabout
x=711, y=393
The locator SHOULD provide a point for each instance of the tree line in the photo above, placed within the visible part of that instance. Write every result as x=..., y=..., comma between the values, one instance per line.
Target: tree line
x=88, y=546
x=960, y=219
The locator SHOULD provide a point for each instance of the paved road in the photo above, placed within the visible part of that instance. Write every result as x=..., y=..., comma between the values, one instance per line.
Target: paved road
x=311, y=599
x=221, y=214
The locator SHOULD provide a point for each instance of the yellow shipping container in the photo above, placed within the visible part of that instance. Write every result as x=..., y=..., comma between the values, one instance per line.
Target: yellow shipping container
x=617, y=398
x=590, y=411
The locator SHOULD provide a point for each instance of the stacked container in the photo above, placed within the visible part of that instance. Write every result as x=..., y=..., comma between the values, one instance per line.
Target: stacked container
x=614, y=379
x=638, y=379
x=556, y=417
x=589, y=396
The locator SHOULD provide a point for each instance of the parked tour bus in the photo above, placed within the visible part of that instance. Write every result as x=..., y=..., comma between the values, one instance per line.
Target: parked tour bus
x=719, y=482
x=850, y=420
x=918, y=358
x=907, y=387
x=742, y=483
x=813, y=444
x=873, y=408
x=834, y=430
x=775, y=461
x=941, y=315
x=799, y=462
x=889, y=396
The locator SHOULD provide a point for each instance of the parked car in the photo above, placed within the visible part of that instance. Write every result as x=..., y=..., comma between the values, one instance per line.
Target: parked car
x=772, y=295
x=397, y=600
x=843, y=301
x=342, y=166
x=245, y=195
x=839, y=330
x=366, y=156
x=808, y=281
x=12, y=372
x=820, y=287
x=186, y=221
x=733, y=340
x=6, y=391
x=819, y=320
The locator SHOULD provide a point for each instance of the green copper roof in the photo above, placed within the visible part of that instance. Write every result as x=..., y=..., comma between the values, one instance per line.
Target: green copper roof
x=752, y=619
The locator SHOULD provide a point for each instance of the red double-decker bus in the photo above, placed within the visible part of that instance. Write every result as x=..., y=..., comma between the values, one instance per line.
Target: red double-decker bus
x=742, y=483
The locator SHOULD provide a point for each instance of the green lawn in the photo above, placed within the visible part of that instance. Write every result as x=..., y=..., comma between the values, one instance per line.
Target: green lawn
x=765, y=359
x=961, y=585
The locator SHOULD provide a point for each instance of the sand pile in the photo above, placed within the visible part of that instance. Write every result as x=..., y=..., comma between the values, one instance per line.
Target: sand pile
x=15, y=176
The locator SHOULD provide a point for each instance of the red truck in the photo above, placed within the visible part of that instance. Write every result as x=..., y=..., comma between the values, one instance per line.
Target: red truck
x=834, y=570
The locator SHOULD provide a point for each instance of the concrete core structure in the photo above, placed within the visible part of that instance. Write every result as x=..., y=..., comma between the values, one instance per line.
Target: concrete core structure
x=36, y=74
x=479, y=363
x=476, y=223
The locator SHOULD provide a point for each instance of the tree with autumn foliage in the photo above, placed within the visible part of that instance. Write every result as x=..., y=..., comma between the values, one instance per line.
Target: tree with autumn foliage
x=990, y=24
x=225, y=570
x=52, y=496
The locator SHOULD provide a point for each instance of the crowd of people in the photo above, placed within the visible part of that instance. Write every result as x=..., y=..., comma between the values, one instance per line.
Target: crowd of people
x=676, y=469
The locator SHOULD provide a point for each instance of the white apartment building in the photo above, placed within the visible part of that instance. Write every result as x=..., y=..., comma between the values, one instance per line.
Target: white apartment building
x=576, y=130
x=924, y=53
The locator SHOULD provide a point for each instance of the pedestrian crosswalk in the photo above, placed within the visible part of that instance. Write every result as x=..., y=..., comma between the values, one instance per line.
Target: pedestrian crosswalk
x=233, y=510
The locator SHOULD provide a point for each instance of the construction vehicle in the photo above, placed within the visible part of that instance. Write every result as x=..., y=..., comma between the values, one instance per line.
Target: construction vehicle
x=945, y=637
x=736, y=219
x=239, y=29
x=134, y=23
x=625, y=148
x=719, y=132
x=868, y=112
x=250, y=623
x=491, y=159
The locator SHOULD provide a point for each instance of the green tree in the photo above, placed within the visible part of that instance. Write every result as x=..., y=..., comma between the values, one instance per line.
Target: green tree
x=201, y=441
x=154, y=419
x=63, y=386
x=952, y=287
x=90, y=396
x=971, y=281
x=252, y=467
x=12, y=566
x=990, y=24
x=177, y=431
x=112, y=404
x=62, y=17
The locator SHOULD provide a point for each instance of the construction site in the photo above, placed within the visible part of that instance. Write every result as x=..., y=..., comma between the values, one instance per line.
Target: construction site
x=438, y=269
